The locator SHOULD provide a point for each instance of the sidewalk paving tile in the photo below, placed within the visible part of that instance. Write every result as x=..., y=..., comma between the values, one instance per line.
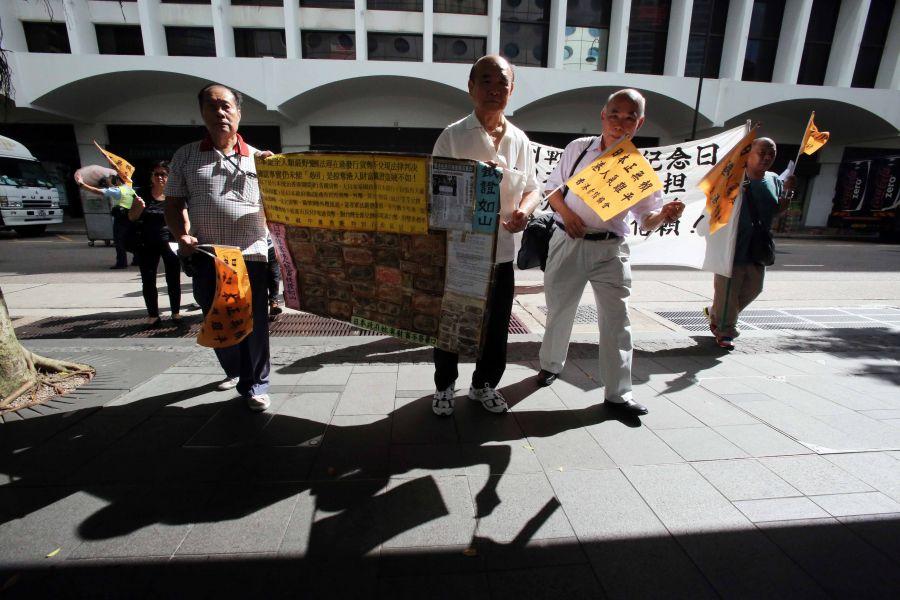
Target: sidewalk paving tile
x=235, y=424
x=563, y=444
x=726, y=386
x=797, y=398
x=240, y=520
x=663, y=413
x=700, y=444
x=415, y=377
x=497, y=458
x=865, y=432
x=882, y=414
x=476, y=425
x=326, y=375
x=881, y=531
x=443, y=513
x=744, y=479
x=368, y=394
x=354, y=446
x=810, y=431
x=843, y=564
x=814, y=475
x=632, y=446
x=831, y=388
x=472, y=586
x=299, y=421
x=267, y=464
x=427, y=459
x=573, y=582
x=780, y=509
x=771, y=365
x=415, y=423
x=708, y=407
x=879, y=469
x=518, y=506
x=436, y=560
x=531, y=554
x=761, y=440
x=863, y=503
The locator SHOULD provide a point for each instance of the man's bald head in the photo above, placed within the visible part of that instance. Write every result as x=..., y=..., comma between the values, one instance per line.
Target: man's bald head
x=764, y=141
x=491, y=61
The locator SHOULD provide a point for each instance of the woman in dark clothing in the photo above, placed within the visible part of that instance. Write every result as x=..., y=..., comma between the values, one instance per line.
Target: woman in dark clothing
x=150, y=222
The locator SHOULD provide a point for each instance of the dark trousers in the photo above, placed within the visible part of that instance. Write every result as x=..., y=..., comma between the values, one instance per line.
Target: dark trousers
x=148, y=258
x=121, y=225
x=274, y=279
x=249, y=359
x=490, y=367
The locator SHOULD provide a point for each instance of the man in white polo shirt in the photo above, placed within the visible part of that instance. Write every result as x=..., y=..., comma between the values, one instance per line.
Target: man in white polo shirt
x=487, y=135
x=215, y=179
x=585, y=248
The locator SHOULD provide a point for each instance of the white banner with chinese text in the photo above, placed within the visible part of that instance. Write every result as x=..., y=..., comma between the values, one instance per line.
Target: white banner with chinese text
x=686, y=243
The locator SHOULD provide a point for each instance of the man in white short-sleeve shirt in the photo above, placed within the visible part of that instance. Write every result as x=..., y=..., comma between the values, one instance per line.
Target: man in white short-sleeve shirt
x=487, y=135
x=585, y=248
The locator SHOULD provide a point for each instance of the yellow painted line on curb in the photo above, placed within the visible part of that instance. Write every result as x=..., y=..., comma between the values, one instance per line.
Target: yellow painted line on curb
x=62, y=237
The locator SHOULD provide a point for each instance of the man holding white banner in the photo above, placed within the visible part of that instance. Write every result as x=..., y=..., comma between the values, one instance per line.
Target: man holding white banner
x=586, y=248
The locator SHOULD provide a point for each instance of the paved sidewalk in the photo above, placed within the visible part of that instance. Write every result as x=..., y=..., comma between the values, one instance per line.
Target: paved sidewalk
x=770, y=472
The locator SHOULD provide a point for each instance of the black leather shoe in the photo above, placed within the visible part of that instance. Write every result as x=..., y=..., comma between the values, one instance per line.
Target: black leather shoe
x=545, y=378
x=629, y=407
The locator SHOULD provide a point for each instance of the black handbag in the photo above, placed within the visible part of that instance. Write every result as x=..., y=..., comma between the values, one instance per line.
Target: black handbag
x=536, y=242
x=536, y=237
x=762, y=246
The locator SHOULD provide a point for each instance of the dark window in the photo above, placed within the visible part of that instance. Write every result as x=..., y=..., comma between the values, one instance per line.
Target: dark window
x=762, y=42
x=872, y=46
x=185, y=1
x=119, y=39
x=524, y=31
x=648, y=31
x=407, y=5
x=190, y=41
x=817, y=48
x=708, y=15
x=458, y=49
x=327, y=3
x=278, y=3
x=46, y=37
x=587, y=35
x=395, y=46
x=338, y=45
x=461, y=7
x=259, y=42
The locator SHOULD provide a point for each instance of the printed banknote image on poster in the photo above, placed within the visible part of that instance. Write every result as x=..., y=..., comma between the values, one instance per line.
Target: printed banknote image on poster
x=370, y=258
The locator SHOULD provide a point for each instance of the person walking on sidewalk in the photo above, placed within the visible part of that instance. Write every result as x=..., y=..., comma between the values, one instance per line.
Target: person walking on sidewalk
x=487, y=135
x=585, y=248
x=149, y=222
x=215, y=178
x=764, y=196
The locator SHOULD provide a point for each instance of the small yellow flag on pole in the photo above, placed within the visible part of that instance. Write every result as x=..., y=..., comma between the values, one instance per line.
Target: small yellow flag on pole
x=230, y=318
x=813, y=139
x=122, y=166
x=616, y=181
x=723, y=182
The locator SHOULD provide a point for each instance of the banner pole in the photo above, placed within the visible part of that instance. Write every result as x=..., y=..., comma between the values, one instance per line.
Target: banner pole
x=802, y=142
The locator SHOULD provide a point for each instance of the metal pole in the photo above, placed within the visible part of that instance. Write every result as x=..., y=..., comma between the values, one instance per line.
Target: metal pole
x=709, y=20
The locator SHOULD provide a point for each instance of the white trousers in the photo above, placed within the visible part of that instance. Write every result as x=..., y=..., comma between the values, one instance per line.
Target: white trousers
x=571, y=264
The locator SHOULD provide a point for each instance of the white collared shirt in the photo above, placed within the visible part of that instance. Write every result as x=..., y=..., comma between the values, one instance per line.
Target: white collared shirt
x=467, y=139
x=618, y=224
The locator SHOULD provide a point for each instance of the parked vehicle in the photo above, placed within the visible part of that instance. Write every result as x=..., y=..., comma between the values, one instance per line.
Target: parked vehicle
x=29, y=201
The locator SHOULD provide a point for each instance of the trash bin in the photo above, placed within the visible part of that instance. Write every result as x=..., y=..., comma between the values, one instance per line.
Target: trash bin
x=97, y=220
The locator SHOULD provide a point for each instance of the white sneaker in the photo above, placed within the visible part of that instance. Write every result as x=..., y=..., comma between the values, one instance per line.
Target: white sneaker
x=492, y=400
x=228, y=383
x=259, y=402
x=442, y=404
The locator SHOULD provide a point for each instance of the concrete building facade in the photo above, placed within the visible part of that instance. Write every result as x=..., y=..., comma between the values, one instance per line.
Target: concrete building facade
x=389, y=74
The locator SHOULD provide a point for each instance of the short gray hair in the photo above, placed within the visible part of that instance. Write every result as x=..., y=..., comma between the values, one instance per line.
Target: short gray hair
x=633, y=95
x=766, y=140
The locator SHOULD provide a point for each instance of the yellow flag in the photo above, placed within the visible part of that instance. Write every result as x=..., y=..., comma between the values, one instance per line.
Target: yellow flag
x=230, y=318
x=723, y=182
x=122, y=166
x=616, y=181
x=813, y=139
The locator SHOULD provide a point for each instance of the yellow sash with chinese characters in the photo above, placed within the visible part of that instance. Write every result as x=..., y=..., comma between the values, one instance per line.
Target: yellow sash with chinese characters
x=230, y=318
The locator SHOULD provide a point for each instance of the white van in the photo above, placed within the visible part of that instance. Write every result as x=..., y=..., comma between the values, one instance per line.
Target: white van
x=29, y=200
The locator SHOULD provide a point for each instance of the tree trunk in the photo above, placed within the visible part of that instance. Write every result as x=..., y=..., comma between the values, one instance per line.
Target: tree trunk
x=17, y=372
x=20, y=369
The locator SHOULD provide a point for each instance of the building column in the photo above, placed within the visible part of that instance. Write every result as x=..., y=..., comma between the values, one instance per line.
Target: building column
x=821, y=189
x=222, y=29
x=889, y=70
x=619, y=18
x=152, y=30
x=292, y=29
x=847, y=37
x=791, y=41
x=557, y=38
x=85, y=134
x=736, y=31
x=679, y=37
x=13, y=32
x=427, y=31
x=295, y=138
x=82, y=36
x=493, y=40
x=362, y=40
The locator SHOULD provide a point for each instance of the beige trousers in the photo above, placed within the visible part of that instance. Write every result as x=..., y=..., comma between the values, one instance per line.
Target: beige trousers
x=733, y=294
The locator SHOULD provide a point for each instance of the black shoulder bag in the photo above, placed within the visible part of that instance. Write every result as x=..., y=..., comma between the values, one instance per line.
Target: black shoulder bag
x=762, y=246
x=536, y=237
